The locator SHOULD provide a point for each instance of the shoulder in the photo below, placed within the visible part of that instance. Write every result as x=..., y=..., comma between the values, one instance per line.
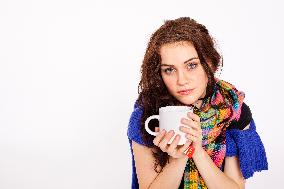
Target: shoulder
x=244, y=120
x=246, y=144
x=134, y=125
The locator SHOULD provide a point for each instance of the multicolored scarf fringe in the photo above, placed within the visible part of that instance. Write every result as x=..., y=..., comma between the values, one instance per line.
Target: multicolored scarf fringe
x=216, y=113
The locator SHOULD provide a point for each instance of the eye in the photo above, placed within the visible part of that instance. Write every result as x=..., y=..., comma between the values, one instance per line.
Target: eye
x=192, y=65
x=168, y=70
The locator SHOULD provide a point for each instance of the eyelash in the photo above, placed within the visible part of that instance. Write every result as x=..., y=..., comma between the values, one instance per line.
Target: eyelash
x=190, y=64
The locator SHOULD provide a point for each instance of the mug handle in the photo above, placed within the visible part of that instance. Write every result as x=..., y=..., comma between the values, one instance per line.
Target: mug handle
x=147, y=122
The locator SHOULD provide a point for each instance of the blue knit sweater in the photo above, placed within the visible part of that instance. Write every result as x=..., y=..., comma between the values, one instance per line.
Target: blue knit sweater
x=246, y=144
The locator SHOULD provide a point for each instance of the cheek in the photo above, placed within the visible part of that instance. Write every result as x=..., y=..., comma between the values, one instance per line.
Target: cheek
x=203, y=78
x=168, y=82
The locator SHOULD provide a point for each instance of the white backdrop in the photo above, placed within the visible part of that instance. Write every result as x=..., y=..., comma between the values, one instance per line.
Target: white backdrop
x=69, y=73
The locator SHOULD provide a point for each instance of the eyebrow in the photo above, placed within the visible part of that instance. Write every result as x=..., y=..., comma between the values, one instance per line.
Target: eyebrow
x=184, y=62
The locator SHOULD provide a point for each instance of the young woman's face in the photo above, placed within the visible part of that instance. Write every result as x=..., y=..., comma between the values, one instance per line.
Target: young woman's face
x=181, y=70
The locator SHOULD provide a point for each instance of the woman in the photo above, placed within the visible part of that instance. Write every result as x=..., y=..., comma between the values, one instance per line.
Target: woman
x=178, y=69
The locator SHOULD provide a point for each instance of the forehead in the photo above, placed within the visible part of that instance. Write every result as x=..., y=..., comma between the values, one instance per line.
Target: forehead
x=177, y=52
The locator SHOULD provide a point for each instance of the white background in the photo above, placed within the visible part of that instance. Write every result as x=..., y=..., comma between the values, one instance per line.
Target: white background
x=69, y=73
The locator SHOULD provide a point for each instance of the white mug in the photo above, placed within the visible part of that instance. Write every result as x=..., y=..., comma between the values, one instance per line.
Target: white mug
x=170, y=119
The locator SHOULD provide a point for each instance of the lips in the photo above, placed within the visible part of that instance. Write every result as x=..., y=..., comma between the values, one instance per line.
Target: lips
x=185, y=92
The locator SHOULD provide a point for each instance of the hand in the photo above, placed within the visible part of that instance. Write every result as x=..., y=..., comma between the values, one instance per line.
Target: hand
x=175, y=151
x=193, y=130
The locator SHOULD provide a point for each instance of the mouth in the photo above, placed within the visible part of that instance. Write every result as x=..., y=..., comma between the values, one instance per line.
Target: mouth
x=185, y=92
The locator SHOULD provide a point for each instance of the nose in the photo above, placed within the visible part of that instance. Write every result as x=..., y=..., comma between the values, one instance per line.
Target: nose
x=182, y=78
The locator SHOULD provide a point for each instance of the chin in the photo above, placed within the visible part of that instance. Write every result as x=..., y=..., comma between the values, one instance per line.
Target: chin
x=187, y=101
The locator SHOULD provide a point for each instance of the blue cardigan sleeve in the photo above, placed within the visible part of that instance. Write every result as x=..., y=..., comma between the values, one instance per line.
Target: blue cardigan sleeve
x=134, y=125
x=247, y=145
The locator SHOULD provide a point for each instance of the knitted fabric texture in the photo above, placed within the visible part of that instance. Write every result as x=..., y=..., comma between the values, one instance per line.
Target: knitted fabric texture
x=246, y=144
x=216, y=114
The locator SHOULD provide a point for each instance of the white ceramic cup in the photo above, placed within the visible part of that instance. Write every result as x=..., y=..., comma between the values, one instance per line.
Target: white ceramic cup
x=170, y=119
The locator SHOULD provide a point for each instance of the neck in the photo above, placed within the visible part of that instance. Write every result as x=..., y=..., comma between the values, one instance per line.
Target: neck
x=198, y=103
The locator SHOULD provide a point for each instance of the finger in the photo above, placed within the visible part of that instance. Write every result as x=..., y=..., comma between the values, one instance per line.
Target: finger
x=190, y=132
x=193, y=116
x=193, y=124
x=159, y=137
x=186, y=121
x=194, y=138
x=196, y=126
x=173, y=145
x=157, y=129
x=185, y=129
x=190, y=122
x=165, y=140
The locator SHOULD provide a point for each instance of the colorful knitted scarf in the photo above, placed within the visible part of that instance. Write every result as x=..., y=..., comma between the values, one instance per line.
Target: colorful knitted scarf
x=216, y=113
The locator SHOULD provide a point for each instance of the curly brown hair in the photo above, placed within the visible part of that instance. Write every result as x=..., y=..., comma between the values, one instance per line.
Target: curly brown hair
x=152, y=91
